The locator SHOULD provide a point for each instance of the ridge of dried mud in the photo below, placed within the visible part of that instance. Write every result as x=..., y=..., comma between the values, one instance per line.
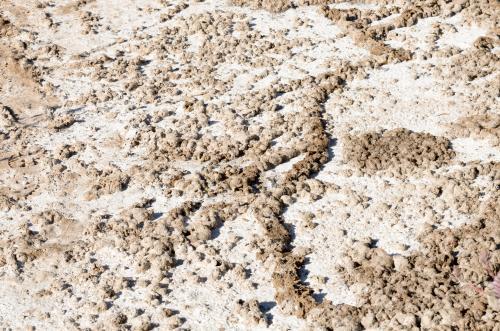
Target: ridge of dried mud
x=105, y=137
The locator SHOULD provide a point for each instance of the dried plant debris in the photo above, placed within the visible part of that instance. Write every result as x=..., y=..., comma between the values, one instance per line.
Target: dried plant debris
x=306, y=164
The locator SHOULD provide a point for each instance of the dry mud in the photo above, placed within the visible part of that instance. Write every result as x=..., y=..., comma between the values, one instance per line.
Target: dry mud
x=240, y=165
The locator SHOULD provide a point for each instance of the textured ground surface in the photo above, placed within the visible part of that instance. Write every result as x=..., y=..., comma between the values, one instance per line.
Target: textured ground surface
x=249, y=164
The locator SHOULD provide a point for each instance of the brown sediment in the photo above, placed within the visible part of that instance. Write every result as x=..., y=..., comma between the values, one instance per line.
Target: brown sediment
x=399, y=151
x=479, y=126
x=187, y=136
x=275, y=6
x=355, y=22
x=403, y=151
x=447, y=283
x=6, y=27
x=107, y=182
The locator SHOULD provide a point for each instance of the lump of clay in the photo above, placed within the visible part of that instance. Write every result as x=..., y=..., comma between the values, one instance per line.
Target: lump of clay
x=401, y=151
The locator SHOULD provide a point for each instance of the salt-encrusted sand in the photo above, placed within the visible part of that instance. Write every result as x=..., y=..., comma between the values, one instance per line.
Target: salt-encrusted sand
x=245, y=165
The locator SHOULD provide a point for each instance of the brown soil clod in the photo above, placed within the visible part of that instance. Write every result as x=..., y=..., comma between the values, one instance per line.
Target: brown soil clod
x=400, y=151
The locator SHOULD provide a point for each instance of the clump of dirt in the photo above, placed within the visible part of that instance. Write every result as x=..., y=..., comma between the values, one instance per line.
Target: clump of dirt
x=293, y=296
x=447, y=283
x=484, y=11
x=7, y=117
x=477, y=63
x=7, y=202
x=62, y=122
x=399, y=151
x=52, y=234
x=250, y=313
x=90, y=22
x=106, y=182
x=274, y=6
x=135, y=233
x=487, y=43
x=6, y=27
x=356, y=23
x=480, y=126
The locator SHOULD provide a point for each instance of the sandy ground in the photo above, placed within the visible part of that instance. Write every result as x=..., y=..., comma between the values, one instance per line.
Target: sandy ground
x=249, y=164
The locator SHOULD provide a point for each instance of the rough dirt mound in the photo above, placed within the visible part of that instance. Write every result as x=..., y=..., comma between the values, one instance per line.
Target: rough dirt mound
x=479, y=126
x=401, y=151
x=274, y=6
x=448, y=283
